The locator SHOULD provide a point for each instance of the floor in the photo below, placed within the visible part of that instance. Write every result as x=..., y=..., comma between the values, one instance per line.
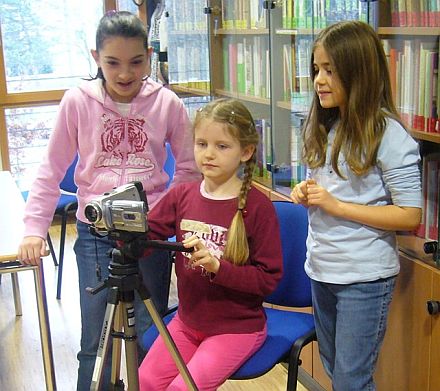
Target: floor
x=21, y=366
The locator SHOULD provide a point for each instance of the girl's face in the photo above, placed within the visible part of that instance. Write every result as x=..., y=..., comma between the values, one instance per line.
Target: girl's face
x=217, y=153
x=124, y=63
x=326, y=83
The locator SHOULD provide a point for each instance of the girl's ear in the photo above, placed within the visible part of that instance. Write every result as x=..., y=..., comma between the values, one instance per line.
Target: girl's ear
x=247, y=152
x=95, y=56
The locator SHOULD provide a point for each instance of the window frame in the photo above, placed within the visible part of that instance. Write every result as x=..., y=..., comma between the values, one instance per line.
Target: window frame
x=35, y=98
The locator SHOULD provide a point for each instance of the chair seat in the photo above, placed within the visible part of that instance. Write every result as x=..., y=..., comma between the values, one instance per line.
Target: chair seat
x=284, y=328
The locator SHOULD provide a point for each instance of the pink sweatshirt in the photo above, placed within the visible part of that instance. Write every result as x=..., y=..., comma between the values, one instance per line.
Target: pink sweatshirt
x=113, y=149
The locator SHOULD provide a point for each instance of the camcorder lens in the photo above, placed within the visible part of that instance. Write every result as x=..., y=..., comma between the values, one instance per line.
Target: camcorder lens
x=91, y=213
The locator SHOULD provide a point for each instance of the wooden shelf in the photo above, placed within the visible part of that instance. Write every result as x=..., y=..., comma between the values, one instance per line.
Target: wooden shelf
x=247, y=98
x=432, y=137
x=179, y=89
x=266, y=182
x=242, y=31
x=429, y=31
x=300, y=31
x=284, y=104
x=412, y=246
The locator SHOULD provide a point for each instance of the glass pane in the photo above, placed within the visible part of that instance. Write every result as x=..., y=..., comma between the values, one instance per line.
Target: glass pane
x=47, y=43
x=241, y=69
x=129, y=5
x=193, y=103
x=187, y=43
x=293, y=30
x=29, y=129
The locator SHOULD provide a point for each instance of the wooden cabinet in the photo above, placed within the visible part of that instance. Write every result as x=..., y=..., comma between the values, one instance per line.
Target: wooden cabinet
x=434, y=365
x=409, y=359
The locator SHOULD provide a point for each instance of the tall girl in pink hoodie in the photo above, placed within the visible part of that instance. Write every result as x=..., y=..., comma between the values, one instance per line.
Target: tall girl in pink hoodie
x=118, y=124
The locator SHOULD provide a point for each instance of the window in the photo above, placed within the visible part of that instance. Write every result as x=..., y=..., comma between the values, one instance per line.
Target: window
x=29, y=129
x=44, y=50
x=46, y=44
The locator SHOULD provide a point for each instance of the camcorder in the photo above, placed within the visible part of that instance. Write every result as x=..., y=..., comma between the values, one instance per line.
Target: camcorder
x=122, y=215
x=124, y=209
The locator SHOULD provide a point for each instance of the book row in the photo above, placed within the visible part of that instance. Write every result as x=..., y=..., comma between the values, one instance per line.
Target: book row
x=415, y=13
x=428, y=228
x=243, y=14
x=321, y=13
x=286, y=174
x=246, y=65
x=185, y=15
x=413, y=66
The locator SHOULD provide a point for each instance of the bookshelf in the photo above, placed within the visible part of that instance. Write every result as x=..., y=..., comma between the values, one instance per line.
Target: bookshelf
x=275, y=83
x=259, y=53
x=410, y=31
x=184, y=39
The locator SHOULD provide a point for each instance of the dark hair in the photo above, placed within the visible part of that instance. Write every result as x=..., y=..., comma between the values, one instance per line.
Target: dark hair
x=119, y=24
x=358, y=59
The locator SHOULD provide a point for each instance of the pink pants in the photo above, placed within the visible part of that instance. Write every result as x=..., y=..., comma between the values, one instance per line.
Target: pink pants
x=210, y=359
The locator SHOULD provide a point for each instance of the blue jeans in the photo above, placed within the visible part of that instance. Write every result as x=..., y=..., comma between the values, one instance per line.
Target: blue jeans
x=93, y=259
x=350, y=326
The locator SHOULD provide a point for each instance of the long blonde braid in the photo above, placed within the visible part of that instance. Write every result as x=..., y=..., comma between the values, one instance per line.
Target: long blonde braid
x=241, y=125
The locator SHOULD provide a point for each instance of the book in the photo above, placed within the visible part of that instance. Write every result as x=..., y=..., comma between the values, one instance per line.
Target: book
x=421, y=229
x=225, y=52
x=432, y=194
x=232, y=56
x=241, y=76
x=298, y=169
x=431, y=91
x=248, y=68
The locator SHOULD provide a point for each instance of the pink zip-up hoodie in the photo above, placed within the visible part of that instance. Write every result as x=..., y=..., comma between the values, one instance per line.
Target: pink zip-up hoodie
x=113, y=149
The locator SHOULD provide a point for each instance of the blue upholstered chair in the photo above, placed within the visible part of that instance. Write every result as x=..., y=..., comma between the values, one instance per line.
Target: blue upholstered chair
x=67, y=203
x=169, y=166
x=288, y=330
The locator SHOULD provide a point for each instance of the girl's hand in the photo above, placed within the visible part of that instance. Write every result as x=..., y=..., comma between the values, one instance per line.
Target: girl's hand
x=31, y=249
x=201, y=255
x=299, y=192
x=318, y=196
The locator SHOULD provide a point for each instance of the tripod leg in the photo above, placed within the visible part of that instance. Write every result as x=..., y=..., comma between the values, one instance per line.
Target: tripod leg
x=131, y=353
x=170, y=344
x=115, y=379
x=104, y=338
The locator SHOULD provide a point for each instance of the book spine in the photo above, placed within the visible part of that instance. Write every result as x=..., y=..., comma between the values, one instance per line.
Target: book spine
x=433, y=199
x=241, y=83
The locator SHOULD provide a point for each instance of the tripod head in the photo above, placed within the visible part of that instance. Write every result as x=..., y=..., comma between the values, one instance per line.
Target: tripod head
x=133, y=244
x=124, y=268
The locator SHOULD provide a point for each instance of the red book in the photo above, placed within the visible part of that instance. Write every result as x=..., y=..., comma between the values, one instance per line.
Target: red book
x=432, y=199
x=421, y=230
x=393, y=72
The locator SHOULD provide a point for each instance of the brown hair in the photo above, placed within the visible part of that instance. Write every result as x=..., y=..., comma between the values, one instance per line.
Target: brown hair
x=358, y=59
x=240, y=124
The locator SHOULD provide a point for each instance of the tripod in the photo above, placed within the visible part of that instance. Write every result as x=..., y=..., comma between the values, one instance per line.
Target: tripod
x=119, y=320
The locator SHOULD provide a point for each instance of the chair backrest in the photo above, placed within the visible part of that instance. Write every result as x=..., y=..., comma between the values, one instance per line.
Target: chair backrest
x=169, y=166
x=294, y=287
x=68, y=183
